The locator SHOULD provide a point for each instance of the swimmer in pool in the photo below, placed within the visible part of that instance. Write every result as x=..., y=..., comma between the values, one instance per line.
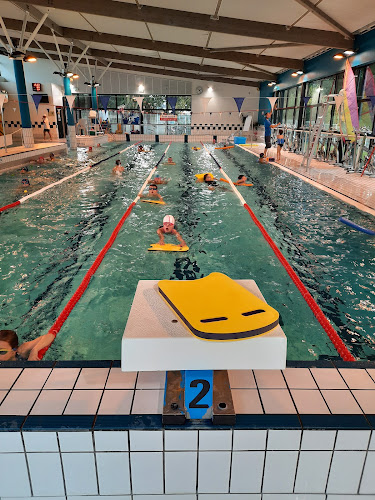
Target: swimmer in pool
x=209, y=179
x=24, y=170
x=170, y=160
x=25, y=182
x=168, y=227
x=141, y=149
x=158, y=180
x=118, y=168
x=152, y=193
x=194, y=148
x=241, y=180
x=263, y=159
x=11, y=351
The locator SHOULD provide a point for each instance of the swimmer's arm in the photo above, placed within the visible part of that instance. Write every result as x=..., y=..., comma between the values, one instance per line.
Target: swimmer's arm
x=30, y=350
x=161, y=236
x=160, y=197
x=179, y=237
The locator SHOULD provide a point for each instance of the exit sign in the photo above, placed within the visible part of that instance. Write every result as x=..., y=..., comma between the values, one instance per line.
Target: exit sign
x=37, y=87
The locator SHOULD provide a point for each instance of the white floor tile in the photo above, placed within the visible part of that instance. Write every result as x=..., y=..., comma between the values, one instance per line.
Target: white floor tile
x=213, y=471
x=116, y=402
x=180, y=472
x=62, y=378
x=215, y=440
x=241, y=379
x=352, y=440
x=180, y=440
x=309, y=402
x=147, y=472
x=14, y=479
x=318, y=440
x=75, y=441
x=11, y=442
x=92, y=378
x=357, y=378
x=79, y=473
x=151, y=380
x=328, y=378
x=32, y=378
x=368, y=478
x=279, y=471
x=283, y=439
x=366, y=400
x=8, y=377
x=113, y=473
x=312, y=472
x=51, y=402
x=83, y=402
x=111, y=440
x=346, y=470
x=249, y=440
x=341, y=402
x=146, y=440
x=18, y=402
x=246, y=401
x=147, y=402
x=40, y=442
x=46, y=474
x=269, y=379
x=247, y=471
x=299, y=378
x=277, y=401
x=121, y=380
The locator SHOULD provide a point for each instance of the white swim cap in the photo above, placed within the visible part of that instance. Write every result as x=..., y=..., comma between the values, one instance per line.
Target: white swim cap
x=169, y=219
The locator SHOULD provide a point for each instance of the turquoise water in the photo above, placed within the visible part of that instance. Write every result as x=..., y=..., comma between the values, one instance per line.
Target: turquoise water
x=48, y=244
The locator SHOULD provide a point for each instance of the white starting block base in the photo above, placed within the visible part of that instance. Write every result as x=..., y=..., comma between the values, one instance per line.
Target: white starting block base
x=155, y=339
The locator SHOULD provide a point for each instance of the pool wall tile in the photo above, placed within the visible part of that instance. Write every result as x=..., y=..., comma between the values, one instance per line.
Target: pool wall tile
x=111, y=440
x=146, y=440
x=213, y=471
x=318, y=440
x=180, y=440
x=247, y=471
x=346, y=470
x=280, y=471
x=283, y=440
x=75, y=441
x=11, y=442
x=312, y=472
x=113, y=473
x=368, y=478
x=14, y=475
x=40, y=442
x=215, y=440
x=80, y=473
x=246, y=440
x=180, y=472
x=352, y=440
x=46, y=474
x=147, y=465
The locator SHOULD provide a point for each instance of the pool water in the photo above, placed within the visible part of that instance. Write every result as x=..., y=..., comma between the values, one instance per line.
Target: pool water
x=48, y=244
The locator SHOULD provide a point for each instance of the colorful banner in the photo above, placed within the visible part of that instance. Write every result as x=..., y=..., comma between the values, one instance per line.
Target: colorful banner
x=350, y=106
x=104, y=99
x=338, y=101
x=239, y=101
x=369, y=92
x=70, y=99
x=172, y=101
x=139, y=101
x=272, y=102
x=306, y=100
x=37, y=98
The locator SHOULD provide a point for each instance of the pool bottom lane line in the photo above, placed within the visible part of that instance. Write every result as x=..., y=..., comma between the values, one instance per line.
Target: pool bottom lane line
x=318, y=313
x=63, y=316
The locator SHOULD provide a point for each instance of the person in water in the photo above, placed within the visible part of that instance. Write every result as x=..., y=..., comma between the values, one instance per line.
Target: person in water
x=195, y=148
x=158, y=180
x=241, y=180
x=170, y=160
x=25, y=182
x=10, y=350
x=24, y=170
x=263, y=159
x=280, y=144
x=209, y=179
x=152, y=193
x=118, y=168
x=140, y=149
x=168, y=227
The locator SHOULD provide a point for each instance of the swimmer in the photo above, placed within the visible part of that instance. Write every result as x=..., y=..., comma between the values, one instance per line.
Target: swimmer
x=24, y=170
x=241, y=180
x=280, y=144
x=168, y=227
x=194, y=148
x=209, y=179
x=158, y=180
x=25, y=182
x=263, y=159
x=141, y=149
x=41, y=159
x=51, y=156
x=170, y=160
x=118, y=168
x=152, y=193
x=11, y=351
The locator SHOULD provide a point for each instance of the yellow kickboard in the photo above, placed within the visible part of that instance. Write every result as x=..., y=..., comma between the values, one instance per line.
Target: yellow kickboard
x=200, y=177
x=168, y=247
x=218, y=308
x=195, y=149
x=169, y=163
x=157, y=202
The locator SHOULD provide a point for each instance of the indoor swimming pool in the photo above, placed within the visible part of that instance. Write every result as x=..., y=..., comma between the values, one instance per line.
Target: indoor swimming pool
x=48, y=244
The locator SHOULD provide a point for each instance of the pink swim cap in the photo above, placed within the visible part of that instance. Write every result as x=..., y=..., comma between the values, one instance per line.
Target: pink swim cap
x=169, y=219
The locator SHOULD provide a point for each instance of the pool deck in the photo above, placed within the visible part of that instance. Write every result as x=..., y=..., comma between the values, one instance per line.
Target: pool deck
x=19, y=155
x=350, y=188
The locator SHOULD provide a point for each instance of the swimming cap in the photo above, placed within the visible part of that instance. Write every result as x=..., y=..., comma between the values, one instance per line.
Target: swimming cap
x=169, y=219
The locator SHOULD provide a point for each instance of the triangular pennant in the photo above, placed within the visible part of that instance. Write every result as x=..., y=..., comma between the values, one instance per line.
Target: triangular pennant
x=338, y=100
x=104, y=99
x=205, y=101
x=239, y=101
x=139, y=101
x=37, y=98
x=272, y=102
x=350, y=86
x=70, y=99
x=172, y=101
x=306, y=100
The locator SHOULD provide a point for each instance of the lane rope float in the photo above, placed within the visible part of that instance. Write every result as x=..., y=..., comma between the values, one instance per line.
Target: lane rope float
x=356, y=226
x=45, y=188
x=63, y=316
x=318, y=313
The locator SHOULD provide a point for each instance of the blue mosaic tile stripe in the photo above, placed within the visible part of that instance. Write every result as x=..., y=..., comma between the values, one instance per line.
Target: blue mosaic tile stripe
x=342, y=422
x=124, y=422
x=59, y=423
x=10, y=423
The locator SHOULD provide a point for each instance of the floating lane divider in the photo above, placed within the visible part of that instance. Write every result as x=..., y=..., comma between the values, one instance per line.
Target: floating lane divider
x=56, y=327
x=356, y=226
x=45, y=188
x=318, y=313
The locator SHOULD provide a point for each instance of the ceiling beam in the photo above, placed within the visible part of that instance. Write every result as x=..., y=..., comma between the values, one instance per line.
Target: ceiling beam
x=256, y=47
x=168, y=47
x=153, y=61
x=326, y=18
x=197, y=21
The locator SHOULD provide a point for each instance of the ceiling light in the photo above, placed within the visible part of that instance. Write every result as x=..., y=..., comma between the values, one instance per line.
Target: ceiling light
x=271, y=84
x=75, y=76
x=69, y=74
x=338, y=56
x=299, y=72
x=349, y=52
x=141, y=87
x=30, y=59
x=294, y=74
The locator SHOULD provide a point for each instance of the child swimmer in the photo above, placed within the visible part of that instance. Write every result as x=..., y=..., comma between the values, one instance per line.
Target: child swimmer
x=118, y=168
x=152, y=193
x=168, y=227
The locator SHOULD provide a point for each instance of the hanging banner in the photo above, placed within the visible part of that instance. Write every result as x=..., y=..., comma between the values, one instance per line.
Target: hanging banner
x=350, y=101
x=2, y=99
x=205, y=101
x=369, y=93
x=306, y=100
x=239, y=101
x=272, y=102
x=104, y=99
x=139, y=101
x=338, y=101
x=37, y=98
x=172, y=101
x=70, y=99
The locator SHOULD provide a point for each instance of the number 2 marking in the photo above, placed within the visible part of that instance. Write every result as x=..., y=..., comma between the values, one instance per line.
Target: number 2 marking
x=205, y=388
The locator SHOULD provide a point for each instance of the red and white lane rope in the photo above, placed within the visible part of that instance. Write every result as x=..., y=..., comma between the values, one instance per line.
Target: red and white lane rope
x=318, y=313
x=56, y=327
x=45, y=188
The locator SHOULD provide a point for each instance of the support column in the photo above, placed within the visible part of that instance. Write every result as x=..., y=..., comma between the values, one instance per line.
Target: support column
x=70, y=117
x=94, y=100
x=27, y=131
